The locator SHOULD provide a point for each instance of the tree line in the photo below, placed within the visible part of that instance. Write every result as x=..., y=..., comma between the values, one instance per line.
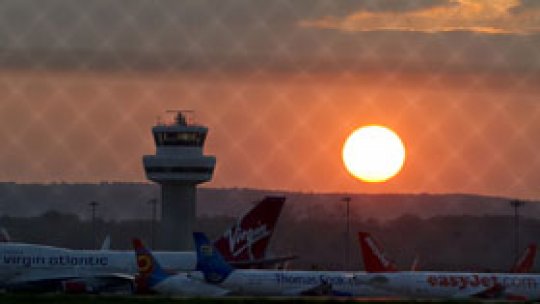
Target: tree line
x=453, y=242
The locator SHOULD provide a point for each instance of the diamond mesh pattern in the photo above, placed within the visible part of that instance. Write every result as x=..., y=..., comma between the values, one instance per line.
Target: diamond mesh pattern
x=279, y=83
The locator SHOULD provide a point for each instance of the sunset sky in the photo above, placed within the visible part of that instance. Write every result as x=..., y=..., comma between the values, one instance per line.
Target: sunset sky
x=280, y=84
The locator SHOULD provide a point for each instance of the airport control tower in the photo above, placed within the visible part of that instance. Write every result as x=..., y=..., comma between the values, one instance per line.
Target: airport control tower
x=178, y=166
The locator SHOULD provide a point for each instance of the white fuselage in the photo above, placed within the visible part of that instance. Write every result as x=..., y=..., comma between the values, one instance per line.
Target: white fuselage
x=20, y=263
x=455, y=284
x=429, y=285
x=257, y=282
x=254, y=282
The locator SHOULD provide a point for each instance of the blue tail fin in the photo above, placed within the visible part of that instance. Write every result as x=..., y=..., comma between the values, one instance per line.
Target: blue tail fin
x=209, y=261
x=150, y=272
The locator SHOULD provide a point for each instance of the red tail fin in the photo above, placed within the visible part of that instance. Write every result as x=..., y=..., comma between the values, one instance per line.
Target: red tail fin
x=248, y=238
x=526, y=262
x=374, y=258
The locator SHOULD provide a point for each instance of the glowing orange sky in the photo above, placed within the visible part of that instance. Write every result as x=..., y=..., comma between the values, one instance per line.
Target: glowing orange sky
x=463, y=133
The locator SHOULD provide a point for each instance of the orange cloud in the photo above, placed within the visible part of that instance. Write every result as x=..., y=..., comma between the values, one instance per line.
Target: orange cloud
x=482, y=16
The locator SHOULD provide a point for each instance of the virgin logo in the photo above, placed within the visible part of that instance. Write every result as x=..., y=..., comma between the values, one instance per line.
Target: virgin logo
x=240, y=240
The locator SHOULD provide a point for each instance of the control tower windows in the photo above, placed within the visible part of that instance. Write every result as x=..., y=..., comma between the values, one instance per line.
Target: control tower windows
x=186, y=139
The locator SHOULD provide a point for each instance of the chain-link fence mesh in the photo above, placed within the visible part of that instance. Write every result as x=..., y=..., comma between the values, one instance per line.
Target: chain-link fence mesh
x=280, y=84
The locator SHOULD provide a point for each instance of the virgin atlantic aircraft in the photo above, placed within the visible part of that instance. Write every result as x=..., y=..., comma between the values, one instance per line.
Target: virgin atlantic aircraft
x=45, y=268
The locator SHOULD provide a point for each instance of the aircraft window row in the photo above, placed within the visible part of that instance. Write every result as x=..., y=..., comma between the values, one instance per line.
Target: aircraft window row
x=180, y=170
x=189, y=139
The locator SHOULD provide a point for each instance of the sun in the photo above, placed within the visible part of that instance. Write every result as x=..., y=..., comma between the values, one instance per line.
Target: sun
x=373, y=153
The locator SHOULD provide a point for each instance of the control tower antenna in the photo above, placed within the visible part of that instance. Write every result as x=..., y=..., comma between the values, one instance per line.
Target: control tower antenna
x=178, y=166
x=183, y=117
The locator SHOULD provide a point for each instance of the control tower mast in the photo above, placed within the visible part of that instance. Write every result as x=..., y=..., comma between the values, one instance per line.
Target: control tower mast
x=178, y=166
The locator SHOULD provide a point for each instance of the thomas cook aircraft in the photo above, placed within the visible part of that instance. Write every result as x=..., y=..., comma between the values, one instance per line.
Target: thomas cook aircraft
x=216, y=277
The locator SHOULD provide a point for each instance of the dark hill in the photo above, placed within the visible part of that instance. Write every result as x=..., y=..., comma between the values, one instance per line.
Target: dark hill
x=129, y=201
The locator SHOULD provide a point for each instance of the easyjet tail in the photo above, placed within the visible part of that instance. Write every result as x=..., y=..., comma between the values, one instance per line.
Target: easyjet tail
x=373, y=255
x=526, y=262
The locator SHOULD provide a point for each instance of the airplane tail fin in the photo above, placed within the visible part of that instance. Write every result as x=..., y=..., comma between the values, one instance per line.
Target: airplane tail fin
x=248, y=238
x=373, y=255
x=4, y=236
x=209, y=260
x=106, y=245
x=526, y=262
x=414, y=265
x=150, y=272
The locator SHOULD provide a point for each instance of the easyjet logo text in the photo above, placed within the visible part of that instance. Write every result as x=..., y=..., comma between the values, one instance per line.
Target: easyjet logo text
x=475, y=280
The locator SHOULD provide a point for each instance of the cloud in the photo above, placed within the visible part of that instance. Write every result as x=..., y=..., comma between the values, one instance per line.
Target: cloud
x=398, y=5
x=525, y=6
x=240, y=35
x=480, y=16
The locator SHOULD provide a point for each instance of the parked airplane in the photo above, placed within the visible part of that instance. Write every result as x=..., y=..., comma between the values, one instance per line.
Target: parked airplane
x=214, y=276
x=447, y=284
x=153, y=277
x=460, y=285
x=43, y=268
x=375, y=259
